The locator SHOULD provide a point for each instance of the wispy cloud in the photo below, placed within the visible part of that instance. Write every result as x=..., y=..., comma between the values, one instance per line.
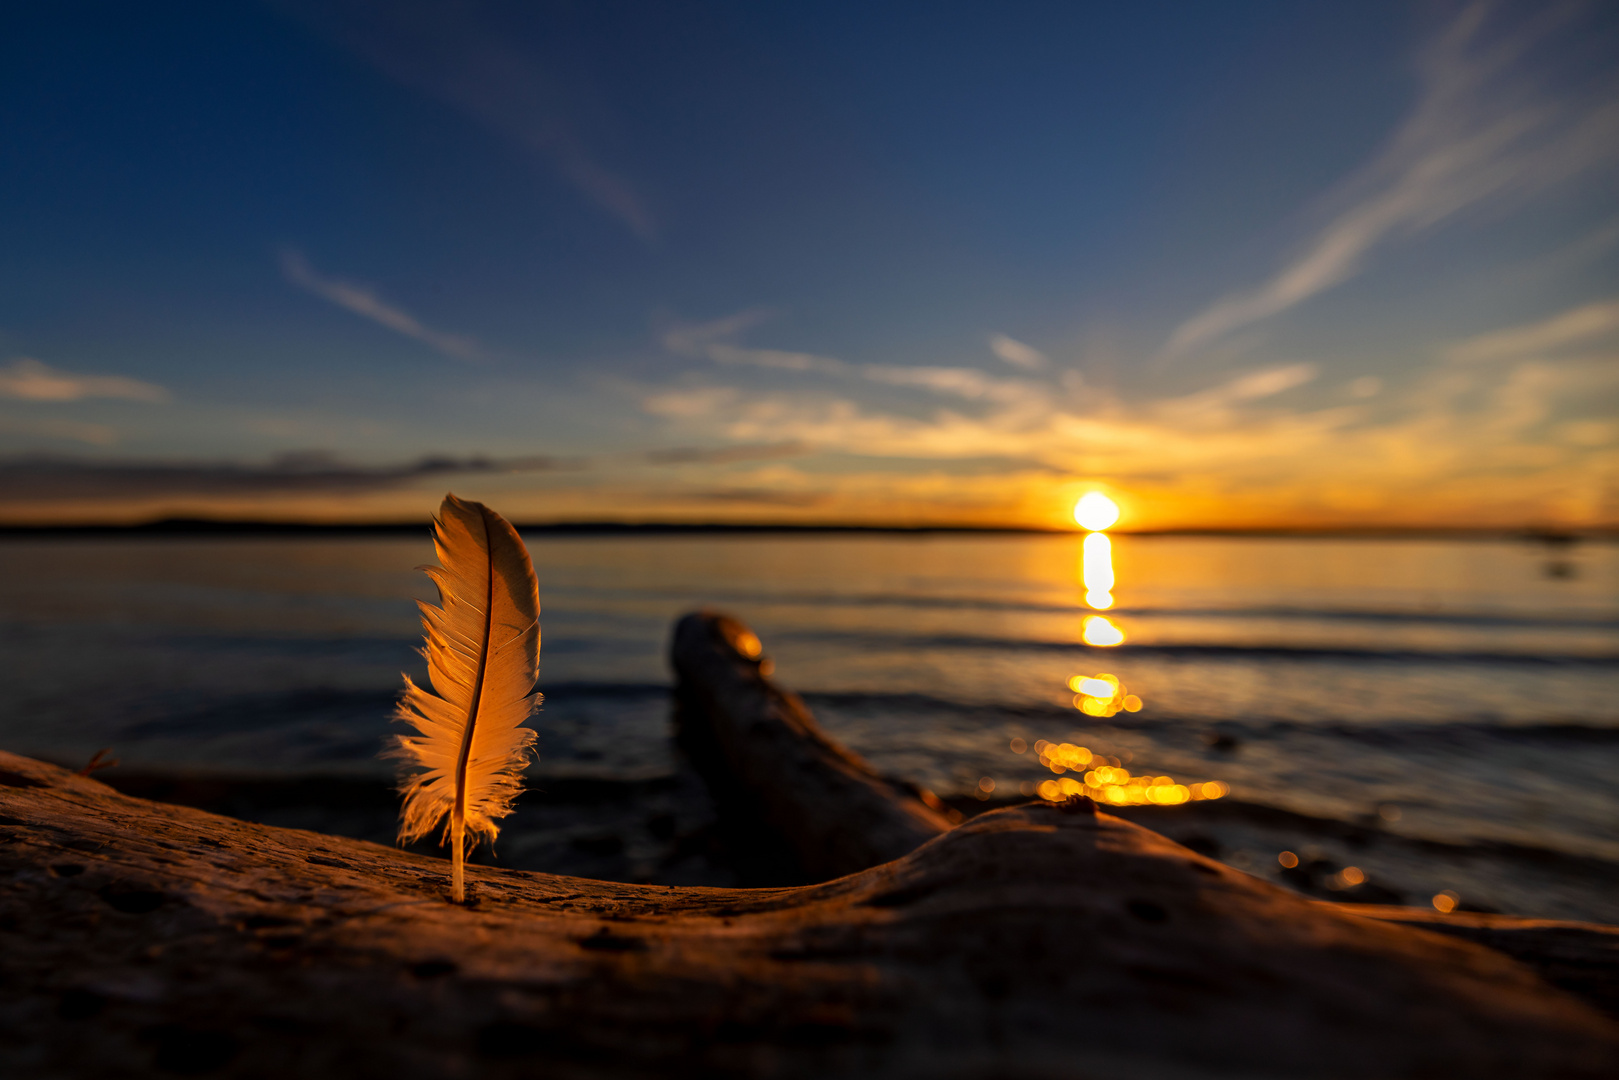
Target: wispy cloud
x=1252, y=386
x=362, y=300
x=726, y=455
x=1482, y=129
x=56, y=478
x=1017, y=354
x=1528, y=440
x=1574, y=327
x=712, y=340
x=455, y=53
x=57, y=428
x=28, y=379
x=38, y=478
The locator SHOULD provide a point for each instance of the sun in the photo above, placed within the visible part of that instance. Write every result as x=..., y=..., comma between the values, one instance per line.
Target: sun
x=1096, y=511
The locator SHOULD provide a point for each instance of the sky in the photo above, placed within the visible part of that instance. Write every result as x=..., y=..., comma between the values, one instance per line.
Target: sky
x=1237, y=265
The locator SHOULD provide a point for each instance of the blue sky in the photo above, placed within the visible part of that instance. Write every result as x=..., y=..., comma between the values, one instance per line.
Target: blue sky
x=1263, y=263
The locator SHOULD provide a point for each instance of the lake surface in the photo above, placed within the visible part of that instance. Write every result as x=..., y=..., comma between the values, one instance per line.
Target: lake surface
x=1459, y=694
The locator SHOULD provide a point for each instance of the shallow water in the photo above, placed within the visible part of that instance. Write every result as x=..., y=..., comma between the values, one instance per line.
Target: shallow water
x=1461, y=692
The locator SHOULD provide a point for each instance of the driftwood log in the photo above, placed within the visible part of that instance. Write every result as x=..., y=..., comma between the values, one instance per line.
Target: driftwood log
x=761, y=748
x=139, y=939
x=763, y=754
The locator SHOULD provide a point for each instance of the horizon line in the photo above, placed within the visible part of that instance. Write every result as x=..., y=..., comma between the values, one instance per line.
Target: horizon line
x=199, y=526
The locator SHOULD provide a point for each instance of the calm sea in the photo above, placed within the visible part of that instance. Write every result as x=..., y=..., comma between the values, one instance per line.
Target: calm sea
x=1462, y=697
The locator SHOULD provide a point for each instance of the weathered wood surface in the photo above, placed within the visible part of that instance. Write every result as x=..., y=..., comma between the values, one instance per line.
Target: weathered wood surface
x=1580, y=957
x=768, y=743
x=139, y=938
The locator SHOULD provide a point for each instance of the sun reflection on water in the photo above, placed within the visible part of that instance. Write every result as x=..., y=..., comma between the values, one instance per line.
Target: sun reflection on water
x=1097, y=570
x=1106, y=780
x=1102, y=695
x=1096, y=512
x=1100, y=630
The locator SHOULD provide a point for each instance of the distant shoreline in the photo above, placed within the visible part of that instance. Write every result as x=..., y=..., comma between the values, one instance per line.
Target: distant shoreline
x=206, y=527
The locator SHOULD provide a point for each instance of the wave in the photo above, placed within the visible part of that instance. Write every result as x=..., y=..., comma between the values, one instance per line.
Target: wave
x=1193, y=649
x=1561, y=730
x=1283, y=612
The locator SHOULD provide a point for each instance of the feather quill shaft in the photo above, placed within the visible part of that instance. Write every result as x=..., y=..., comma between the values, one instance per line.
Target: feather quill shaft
x=463, y=762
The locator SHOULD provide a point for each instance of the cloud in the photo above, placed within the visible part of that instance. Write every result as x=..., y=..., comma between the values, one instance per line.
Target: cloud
x=1017, y=354
x=458, y=56
x=711, y=341
x=362, y=301
x=695, y=339
x=29, y=380
x=1447, y=447
x=966, y=383
x=60, y=479
x=1572, y=327
x=1481, y=130
x=690, y=404
x=779, y=359
x=53, y=428
x=1247, y=387
x=726, y=455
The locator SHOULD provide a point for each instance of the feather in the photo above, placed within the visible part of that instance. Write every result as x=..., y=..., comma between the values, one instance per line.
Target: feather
x=463, y=763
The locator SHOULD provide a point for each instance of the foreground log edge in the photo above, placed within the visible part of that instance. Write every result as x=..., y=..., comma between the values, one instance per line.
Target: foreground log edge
x=761, y=750
x=138, y=938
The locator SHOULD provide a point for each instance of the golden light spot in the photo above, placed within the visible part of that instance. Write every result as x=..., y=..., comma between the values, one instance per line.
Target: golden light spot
x=1099, y=630
x=767, y=667
x=748, y=644
x=1049, y=790
x=1132, y=703
x=1019, y=746
x=1288, y=860
x=1351, y=876
x=986, y=784
x=1090, y=706
x=1446, y=902
x=1109, y=781
x=1095, y=511
x=1098, y=687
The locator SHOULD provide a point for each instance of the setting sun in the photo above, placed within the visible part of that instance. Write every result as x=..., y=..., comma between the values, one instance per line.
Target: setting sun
x=1096, y=511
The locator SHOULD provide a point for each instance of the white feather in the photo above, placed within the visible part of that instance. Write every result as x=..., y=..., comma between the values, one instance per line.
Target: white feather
x=464, y=763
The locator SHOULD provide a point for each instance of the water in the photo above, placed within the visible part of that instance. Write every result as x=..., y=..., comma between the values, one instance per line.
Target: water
x=1460, y=696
